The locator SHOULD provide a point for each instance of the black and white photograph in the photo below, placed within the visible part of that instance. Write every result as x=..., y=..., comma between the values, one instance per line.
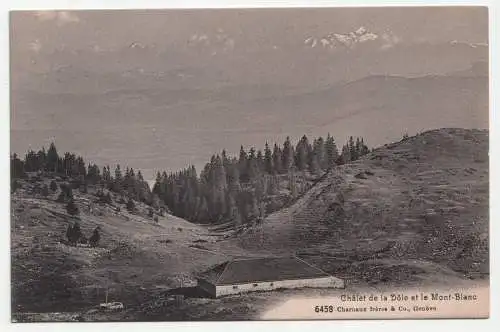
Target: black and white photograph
x=249, y=164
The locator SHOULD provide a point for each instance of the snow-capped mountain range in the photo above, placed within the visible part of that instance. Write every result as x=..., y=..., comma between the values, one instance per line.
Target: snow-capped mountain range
x=351, y=39
x=220, y=41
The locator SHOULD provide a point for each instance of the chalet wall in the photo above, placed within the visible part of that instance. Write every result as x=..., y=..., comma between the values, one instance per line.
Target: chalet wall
x=207, y=287
x=323, y=282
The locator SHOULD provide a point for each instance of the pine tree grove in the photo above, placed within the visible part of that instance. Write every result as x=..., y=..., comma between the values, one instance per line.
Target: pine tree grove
x=240, y=189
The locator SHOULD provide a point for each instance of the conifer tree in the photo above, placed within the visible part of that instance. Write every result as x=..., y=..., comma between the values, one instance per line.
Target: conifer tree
x=277, y=159
x=292, y=184
x=318, y=155
x=80, y=169
x=53, y=186
x=69, y=233
x=345, y=156
x=225, y=160
x=314, y=164
x=253, y=168
x=118, y=180
x=302, y=153
x=273, y=185
x=331, y=152
x=243, y=165
x=254, y=211
x=52, y=158
x=93, y=173
x=74, y=233
x=41, y=160
x=232, y=209
x=202, y=211
x=288, y=154
x=106, y=175
x=16, y=167
x=268, y=159
x=358, y=148
x=95, y=238
x=234, y=185
x=364, y=148
x=158, y=187
x=260, y=185
x=260, y=161
x=220, y=175
x=353, y=154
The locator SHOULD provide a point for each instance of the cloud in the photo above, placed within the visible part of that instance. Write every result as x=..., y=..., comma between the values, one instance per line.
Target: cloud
x=60, y=17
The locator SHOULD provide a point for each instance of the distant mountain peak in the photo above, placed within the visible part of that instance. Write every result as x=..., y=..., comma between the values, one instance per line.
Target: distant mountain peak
x=349, y=40
x=216, y=42
x=473, y=45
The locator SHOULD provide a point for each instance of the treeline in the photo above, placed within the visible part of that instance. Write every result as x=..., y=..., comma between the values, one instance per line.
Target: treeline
x=72, y=167
x=244, y=188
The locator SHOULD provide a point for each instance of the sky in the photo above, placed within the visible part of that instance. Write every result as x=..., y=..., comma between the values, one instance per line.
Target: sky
x=161, y=89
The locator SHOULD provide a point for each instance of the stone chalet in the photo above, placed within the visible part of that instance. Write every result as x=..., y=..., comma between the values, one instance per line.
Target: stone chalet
x=264, y=274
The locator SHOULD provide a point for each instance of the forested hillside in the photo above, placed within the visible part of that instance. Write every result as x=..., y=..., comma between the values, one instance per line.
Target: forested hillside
x=244, y=189
x=425, y=198
x=237, y=190
x=71, y=168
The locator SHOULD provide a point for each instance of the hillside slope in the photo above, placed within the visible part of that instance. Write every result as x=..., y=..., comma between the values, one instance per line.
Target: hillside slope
x=136, y=257
x=410, y=213
x=422, y=199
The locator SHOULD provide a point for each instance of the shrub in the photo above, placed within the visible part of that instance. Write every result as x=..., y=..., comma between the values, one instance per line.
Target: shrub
x=75, y=184
x=84, y=188
x=14, y=186
x=72, y=208
x=105, y=198
x=108, y=198
x=45, y=190
x=360, y=175
x=130, y=205
x=94, y=239
x=74, y=233
x=66, y=193
x=83, y=239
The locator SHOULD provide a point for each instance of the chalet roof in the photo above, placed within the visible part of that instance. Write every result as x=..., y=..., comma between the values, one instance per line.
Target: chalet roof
x=248, y=270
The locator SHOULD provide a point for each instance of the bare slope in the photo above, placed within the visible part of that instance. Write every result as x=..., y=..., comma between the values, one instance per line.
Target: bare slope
x=422, y=202
x=136, y=257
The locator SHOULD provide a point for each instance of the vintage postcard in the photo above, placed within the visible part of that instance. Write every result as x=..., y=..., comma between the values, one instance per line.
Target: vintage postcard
x=249, y=164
